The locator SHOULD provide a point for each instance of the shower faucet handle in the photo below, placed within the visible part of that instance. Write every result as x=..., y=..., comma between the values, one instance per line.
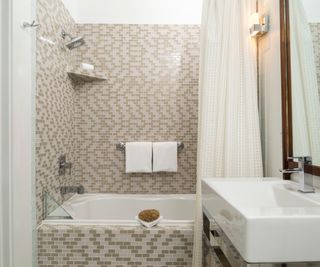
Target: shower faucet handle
x=64, y=165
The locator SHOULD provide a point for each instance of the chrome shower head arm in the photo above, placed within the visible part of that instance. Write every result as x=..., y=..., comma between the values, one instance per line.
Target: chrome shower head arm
x=64, y=34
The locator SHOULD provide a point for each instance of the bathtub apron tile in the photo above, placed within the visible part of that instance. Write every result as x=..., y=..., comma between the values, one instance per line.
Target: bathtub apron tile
x=114, y=246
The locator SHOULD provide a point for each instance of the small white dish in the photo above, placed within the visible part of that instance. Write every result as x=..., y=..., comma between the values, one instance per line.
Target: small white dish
x=149, y=224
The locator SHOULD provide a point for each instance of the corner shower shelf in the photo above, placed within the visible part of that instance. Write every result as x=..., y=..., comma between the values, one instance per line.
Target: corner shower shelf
x=80, y=75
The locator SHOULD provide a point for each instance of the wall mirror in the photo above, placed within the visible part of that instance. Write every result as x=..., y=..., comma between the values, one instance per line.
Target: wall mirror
x=300, y=56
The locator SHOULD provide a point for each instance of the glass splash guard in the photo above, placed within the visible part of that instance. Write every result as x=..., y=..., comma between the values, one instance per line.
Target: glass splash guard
x=53, y=210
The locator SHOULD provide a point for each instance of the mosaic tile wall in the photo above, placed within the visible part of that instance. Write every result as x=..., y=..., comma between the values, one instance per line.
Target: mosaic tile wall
x=55, y=97
x=315, y=31
x=114, y=246
x=150, y=94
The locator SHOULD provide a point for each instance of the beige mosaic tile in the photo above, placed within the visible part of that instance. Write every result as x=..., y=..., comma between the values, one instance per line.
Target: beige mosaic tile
x=114, y=246
x=150, y=94
x=55, y=101
x=315, y=32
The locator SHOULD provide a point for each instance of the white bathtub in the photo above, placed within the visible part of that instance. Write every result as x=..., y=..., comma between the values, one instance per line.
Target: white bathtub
x=118, y=209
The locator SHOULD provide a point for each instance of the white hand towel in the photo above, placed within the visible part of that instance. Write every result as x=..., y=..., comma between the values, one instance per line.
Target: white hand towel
x=165, y=157
x=138, y=157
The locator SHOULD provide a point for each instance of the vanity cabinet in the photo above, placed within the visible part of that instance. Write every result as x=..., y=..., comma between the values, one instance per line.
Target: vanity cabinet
x=218, y=250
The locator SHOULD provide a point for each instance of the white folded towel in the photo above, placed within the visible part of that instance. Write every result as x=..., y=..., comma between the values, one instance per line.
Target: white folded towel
x=138, y=157
x=165, y=157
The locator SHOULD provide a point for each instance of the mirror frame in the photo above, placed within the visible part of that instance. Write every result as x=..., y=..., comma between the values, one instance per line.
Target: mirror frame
x=287, y=138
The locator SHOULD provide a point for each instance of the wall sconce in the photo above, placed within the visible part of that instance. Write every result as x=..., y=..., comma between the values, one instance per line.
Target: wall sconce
x=259, y=25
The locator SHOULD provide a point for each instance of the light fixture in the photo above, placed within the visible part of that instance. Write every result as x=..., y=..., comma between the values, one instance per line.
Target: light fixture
x=259, y=25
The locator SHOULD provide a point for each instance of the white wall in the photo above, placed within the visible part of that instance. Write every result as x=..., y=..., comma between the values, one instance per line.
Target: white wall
x=4, y=196
x=16, y=124
x=2, y=62
x=312, y=8
x=135, y=11
x=270, y=90
x=72, y=6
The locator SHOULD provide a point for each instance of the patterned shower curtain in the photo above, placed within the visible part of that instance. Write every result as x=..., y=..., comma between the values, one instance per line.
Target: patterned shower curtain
x=229, y=134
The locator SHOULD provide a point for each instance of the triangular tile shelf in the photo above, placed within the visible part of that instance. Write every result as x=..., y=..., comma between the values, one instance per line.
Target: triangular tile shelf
x=81, y=75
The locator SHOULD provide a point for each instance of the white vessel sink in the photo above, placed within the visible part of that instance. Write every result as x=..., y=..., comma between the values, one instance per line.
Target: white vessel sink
x=267, y=220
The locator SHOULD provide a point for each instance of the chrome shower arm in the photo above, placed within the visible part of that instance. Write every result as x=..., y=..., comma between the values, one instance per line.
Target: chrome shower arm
x=64, y=34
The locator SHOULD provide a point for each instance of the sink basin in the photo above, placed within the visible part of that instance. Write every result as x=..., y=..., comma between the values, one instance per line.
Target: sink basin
x=267, y=220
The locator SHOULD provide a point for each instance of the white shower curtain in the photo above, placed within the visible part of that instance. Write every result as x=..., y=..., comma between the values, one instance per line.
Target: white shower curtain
x=305, y=92
x=228, y=135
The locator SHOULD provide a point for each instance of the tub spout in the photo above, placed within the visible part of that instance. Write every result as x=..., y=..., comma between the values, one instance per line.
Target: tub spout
x=71, y=189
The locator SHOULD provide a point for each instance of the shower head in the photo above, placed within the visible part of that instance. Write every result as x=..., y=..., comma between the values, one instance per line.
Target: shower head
x=74, y=42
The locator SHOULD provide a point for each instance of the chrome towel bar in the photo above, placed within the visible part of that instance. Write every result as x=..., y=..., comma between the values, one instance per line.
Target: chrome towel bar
x=121, y=146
